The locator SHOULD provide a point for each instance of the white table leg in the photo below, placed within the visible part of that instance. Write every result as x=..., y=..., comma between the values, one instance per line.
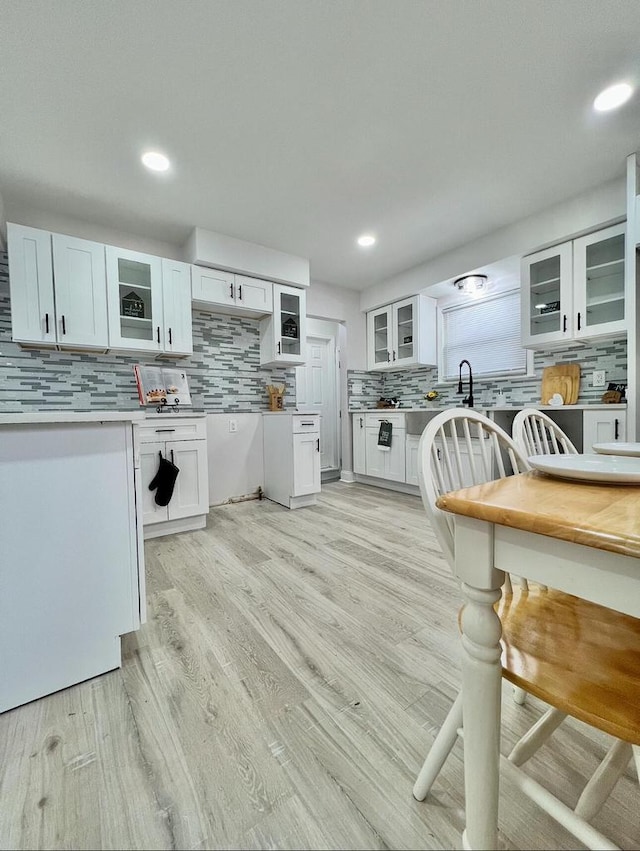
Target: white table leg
x=481, y=690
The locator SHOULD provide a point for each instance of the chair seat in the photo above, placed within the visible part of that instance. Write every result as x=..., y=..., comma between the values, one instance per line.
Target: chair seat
x=581, y=658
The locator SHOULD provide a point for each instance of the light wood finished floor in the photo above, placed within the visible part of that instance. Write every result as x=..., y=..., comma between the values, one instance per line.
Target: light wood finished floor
x=293, y=672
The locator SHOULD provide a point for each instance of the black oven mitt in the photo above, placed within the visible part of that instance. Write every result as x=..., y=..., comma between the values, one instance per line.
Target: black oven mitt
x=164, y=480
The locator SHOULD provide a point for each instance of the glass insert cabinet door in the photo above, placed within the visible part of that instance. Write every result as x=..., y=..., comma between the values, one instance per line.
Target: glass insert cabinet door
x=135, y=299
x=290, y=323
x=379, y=334
x=546, y=287
x=599, y=273
x=403, y=315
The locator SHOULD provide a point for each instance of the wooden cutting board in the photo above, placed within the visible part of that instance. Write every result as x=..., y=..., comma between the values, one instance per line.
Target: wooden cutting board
x=563, y=378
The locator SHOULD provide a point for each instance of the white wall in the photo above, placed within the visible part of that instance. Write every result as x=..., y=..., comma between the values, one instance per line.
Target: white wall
x=341, y=305
x=600, y=206
x=236, y=466
x=47, y=220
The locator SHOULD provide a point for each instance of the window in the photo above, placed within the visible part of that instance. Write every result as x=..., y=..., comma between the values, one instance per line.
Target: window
x=486, y=333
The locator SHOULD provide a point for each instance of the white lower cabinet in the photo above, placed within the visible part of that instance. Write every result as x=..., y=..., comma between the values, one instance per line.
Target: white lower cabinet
x=184, y=443
x=291, y=458
x=374, y=460
x=603, y=427
x=413, y=441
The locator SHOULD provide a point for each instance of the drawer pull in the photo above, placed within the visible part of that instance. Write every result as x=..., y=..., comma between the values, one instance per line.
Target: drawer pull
x=305, y=424
x=158, y=430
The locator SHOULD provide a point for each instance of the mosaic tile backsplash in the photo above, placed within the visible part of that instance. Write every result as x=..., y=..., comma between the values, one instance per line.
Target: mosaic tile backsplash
x=410, y=385
x=224, y=371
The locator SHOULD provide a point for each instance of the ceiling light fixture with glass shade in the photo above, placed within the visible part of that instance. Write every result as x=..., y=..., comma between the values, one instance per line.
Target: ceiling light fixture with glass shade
x=471, y=284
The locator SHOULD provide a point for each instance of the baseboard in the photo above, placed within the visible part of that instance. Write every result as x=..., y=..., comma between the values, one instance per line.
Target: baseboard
x=387, y=484
x=170, y=527
x=347, y=476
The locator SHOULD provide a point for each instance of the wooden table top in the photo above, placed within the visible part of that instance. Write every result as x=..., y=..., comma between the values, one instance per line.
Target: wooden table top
x=596, y=515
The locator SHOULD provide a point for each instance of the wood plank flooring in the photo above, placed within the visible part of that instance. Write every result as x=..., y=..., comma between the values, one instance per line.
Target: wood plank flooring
x=293, y=672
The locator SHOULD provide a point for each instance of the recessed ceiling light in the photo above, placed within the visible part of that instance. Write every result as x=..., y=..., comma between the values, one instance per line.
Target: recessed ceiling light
x=366, y=240
x=613, y=97
x=155, y=161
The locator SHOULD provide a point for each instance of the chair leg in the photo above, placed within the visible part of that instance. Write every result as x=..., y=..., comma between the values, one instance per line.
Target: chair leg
x=439, y=751
x=519, y=696
x=525, y=747
x=604, y=778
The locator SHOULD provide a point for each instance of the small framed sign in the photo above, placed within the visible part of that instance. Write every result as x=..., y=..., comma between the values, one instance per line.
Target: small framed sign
x=132, y=305
x=290, y=328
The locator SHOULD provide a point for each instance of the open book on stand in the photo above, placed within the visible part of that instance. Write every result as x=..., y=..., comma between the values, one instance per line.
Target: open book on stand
x=160, y=385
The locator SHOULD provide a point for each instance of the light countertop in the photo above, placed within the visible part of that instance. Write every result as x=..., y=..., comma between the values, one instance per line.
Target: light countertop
x=36, y=417
x=593, y=406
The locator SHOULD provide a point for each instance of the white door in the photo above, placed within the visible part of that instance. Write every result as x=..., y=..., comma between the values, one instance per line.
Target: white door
x=81, y=292
x=317, y=390
x=191, y=490
x=149, y=463
x=176, y=302
x=306, y=464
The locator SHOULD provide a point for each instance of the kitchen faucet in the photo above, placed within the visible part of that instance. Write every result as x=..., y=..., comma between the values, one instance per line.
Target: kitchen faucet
x=469, y=399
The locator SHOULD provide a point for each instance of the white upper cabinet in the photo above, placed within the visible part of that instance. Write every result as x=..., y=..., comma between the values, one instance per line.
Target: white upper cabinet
x=215, y=289
x=283, y=335
x=149, y=303
x=402, y=334
x=58, y=290
x=134, y=284
x=575, y=290
x=176, y=307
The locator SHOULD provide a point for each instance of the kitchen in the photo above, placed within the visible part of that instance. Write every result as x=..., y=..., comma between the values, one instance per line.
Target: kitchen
x=228, y=378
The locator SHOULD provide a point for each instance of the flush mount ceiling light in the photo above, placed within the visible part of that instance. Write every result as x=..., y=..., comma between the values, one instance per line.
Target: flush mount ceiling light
x=366, y=240
x=471, y=283
x=613, y=97
x=155, y=161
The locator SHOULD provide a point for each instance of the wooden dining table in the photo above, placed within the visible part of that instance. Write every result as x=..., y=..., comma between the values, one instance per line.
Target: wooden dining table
x=575, y=536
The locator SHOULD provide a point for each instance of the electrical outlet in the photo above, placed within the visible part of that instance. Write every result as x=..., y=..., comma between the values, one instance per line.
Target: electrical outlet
x=233, y=426
x=598, y=378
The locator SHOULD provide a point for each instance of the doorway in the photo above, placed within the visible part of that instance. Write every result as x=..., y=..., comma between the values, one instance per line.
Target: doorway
x=317, y=389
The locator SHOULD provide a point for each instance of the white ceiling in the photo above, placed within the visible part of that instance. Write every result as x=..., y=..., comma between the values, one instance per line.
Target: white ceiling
x=299, y=124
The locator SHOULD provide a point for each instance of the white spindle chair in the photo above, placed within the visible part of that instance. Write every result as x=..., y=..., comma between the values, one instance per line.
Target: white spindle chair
x=459, y=448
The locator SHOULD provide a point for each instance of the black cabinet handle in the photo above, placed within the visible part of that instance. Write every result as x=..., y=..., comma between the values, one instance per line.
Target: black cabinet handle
x=64, y=326
x=564, y=322
x=388, y=356
x=318, y=445
x=394, y=354
x=578, y=321
x=616, y=429
x=169, y=336
x=361, y=426
x=46, y=323
x=231, y=290
x=279, y=348
x=240, y=292
x=172, y=459
x=158, y=333
x=159, y=430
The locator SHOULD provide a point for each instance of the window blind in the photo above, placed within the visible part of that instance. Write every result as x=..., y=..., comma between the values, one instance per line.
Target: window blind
x=486, y=333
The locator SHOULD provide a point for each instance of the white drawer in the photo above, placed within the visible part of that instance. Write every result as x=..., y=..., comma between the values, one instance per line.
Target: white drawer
x=394, y=417
x=305, y=422
x=183, y=429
